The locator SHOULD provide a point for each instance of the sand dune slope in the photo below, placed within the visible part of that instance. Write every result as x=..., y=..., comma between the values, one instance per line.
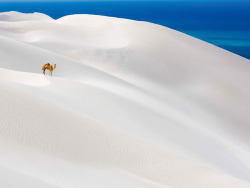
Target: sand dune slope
x=131, y=104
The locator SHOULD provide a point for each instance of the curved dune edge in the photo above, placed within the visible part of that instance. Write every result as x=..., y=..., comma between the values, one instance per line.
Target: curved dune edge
x=132, y=104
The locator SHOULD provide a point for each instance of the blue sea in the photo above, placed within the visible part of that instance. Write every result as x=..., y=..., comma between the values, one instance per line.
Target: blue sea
x=226, y=24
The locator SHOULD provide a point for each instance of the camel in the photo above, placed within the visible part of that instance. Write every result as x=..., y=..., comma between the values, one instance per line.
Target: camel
x=50, y=67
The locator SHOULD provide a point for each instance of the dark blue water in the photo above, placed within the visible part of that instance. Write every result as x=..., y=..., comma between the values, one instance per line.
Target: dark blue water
x=224, y=24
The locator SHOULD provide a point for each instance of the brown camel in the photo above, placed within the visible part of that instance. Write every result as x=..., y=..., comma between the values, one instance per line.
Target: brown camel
x=50, y=67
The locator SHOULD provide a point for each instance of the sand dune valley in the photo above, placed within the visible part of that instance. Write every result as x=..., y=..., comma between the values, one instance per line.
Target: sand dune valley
x=130, y=105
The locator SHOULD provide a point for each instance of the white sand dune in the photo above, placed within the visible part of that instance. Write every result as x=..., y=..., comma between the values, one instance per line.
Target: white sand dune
x=131, y=104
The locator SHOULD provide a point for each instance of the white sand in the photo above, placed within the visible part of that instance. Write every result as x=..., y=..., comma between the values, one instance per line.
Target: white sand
x=131, y=105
